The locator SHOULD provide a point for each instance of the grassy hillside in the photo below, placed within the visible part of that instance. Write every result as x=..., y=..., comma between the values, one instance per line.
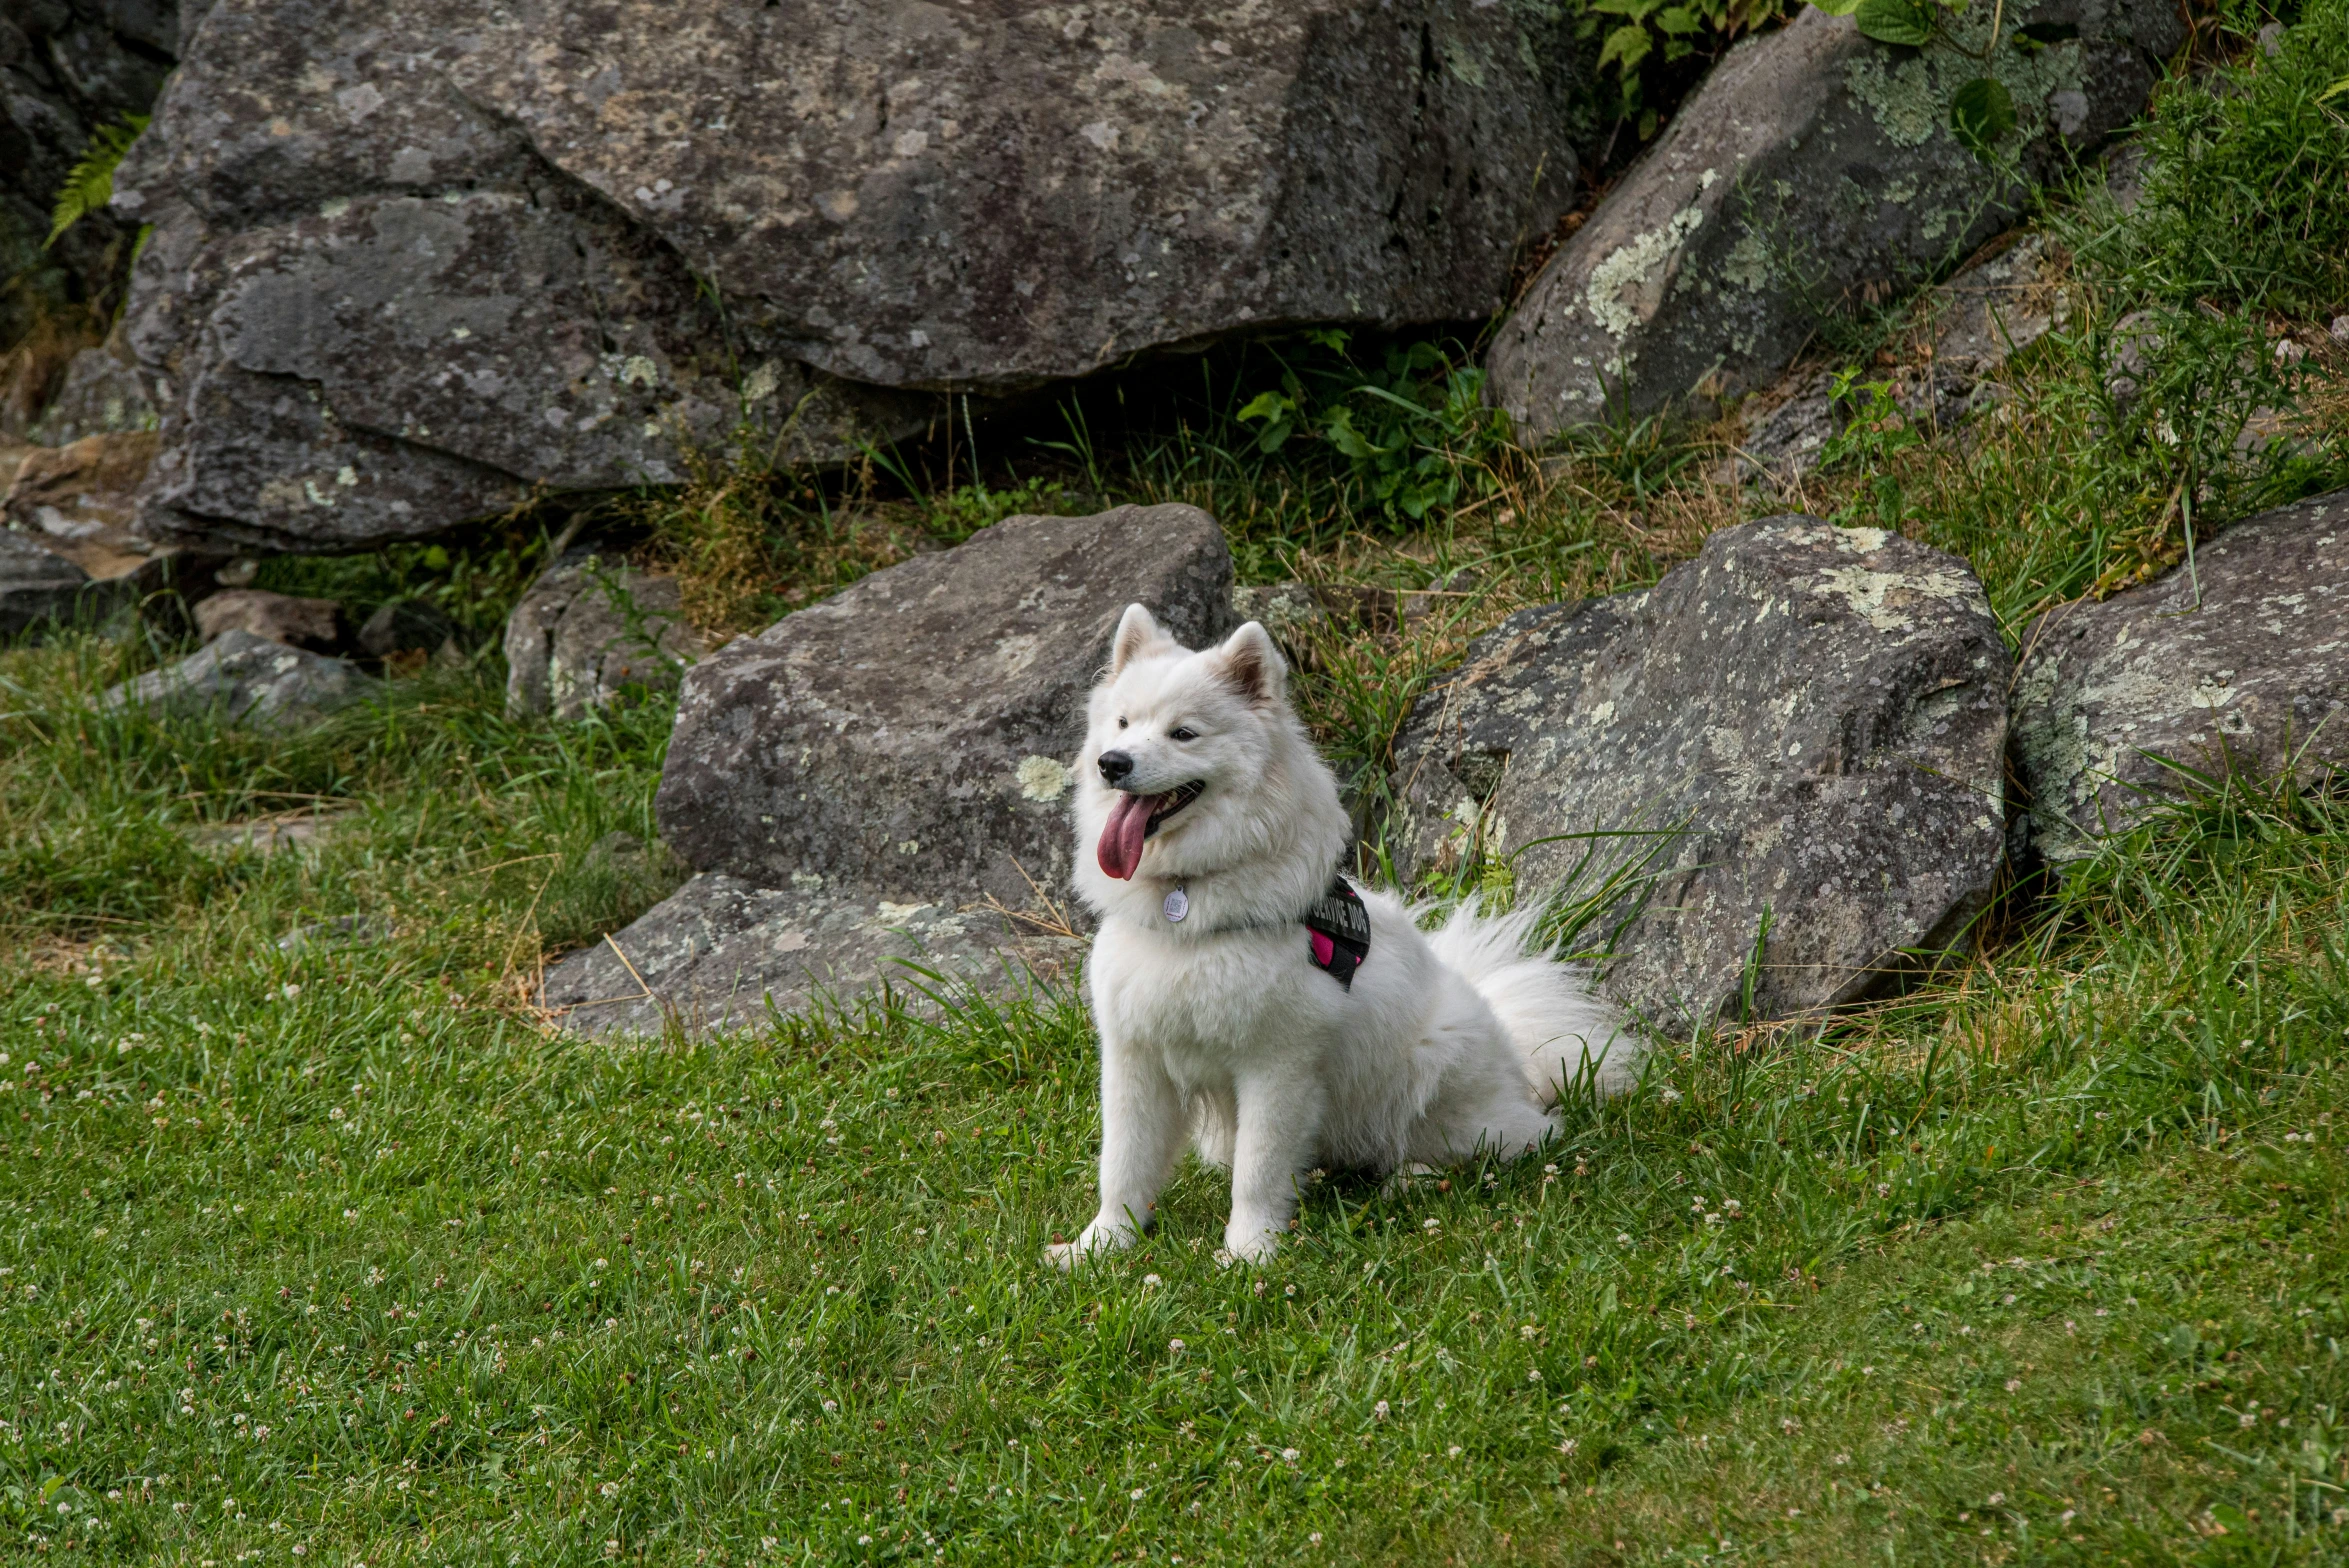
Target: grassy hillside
x=318, y=1244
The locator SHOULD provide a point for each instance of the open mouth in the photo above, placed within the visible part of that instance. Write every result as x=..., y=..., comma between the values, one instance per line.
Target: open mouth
x=1131, y=822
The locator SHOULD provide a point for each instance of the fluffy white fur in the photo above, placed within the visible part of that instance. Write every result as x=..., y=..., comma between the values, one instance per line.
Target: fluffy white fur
x=1221, y=1029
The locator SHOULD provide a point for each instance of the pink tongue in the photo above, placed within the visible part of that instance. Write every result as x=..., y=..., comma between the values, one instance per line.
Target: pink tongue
x=1121, y=840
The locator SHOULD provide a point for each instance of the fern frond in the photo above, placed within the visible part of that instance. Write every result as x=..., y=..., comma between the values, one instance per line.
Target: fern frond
x=91, y=184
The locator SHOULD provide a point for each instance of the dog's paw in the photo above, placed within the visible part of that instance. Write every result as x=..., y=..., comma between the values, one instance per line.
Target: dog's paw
x=1094, y=1238
x=1255, y=1246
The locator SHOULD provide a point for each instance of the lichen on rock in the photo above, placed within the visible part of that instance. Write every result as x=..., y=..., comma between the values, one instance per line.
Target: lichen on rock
x=2237, y=664
x=1802, y=728
x=1812, y=166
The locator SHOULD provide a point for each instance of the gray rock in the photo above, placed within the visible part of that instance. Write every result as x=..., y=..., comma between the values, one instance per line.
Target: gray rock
x=1805, y=721
x=248, y=680
x=910, y=734
x=2240, y=663
x=315, y=624
x=1978, y=320
x=102, y=395
x=1813, y=168
x=306, y=830
x=411, y=257
x=720, y=952
x=1784, y=432
x=1990, y=311
x=406, y=626
x=40, y=589
x=590, y=628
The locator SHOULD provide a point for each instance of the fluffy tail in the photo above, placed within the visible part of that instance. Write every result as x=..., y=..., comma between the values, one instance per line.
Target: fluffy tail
x=1559, y=1025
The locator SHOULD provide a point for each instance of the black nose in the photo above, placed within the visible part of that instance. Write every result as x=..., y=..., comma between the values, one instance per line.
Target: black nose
x=1115, y=765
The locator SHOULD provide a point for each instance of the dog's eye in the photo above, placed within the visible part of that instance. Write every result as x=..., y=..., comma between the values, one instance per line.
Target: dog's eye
x=1185, y=733
x=1121, y=724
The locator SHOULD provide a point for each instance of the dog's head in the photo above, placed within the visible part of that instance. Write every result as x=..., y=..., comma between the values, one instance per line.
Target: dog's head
x=1176, y=746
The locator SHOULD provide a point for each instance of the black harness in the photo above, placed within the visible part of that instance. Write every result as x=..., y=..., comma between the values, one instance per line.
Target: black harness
x=1339, y=929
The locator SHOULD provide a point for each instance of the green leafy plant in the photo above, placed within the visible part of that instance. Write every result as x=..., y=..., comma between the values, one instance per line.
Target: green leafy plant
x=1982, y=111
x=2246, y=201
x=90, y=186
x=1414, y=430
x=1649, y=36
x=1876, y=432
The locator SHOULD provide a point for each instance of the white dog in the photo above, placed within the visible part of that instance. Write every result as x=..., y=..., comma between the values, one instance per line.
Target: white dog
x=1249, y=997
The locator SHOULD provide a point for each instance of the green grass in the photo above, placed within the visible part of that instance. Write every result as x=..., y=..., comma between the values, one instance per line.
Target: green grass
x=786, y=1283
x=334, y=1251
x=2243, y=203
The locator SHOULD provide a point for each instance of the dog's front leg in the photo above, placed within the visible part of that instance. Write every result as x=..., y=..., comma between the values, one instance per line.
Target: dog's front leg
x=1280, y=1128
x=1142, y=1130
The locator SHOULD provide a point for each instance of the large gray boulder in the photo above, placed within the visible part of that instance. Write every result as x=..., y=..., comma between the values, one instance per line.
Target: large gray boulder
x=1804, y=722
x=248, y=680
x=721, y=952
x=910, y=734
x=411, y=257
x=1813, y=170
x=883, y=777
x=591, y=627
x=2239, y=663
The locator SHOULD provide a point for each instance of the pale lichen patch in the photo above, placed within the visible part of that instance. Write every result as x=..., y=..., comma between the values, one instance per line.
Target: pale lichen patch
x=1040, y=778
x=1621, y=292
x=1871, y=593
x=1748, y=263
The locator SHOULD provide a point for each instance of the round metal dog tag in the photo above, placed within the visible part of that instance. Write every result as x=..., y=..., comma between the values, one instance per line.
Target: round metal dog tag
x=1177, y=905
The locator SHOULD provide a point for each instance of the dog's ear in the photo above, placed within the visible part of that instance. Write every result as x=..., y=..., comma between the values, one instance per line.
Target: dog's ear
x=1252, y=665
x=1137, y=632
